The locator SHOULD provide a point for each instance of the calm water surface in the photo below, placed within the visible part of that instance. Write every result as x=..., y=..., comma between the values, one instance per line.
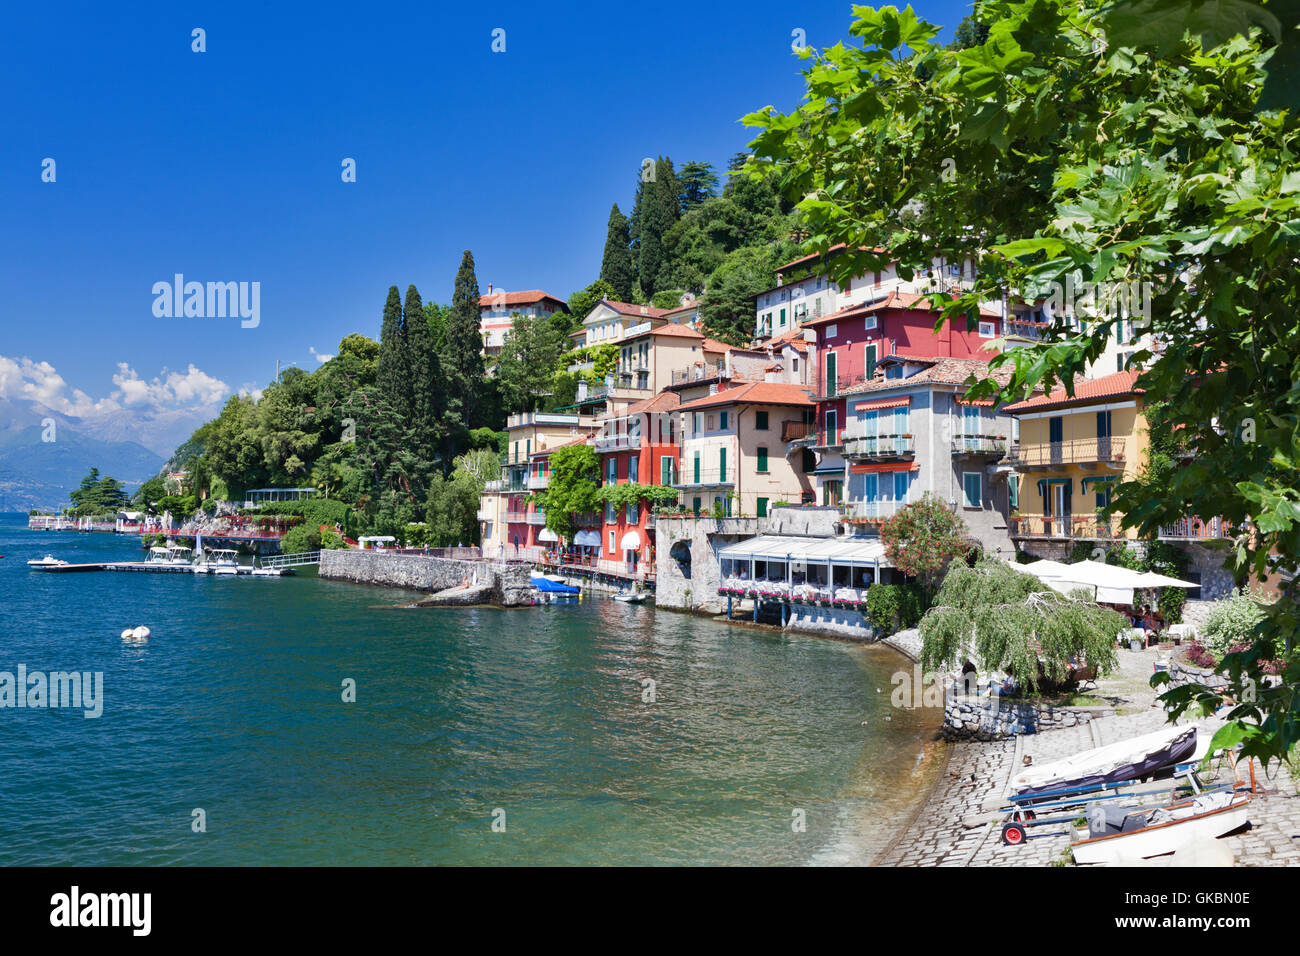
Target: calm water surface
x=234, y=706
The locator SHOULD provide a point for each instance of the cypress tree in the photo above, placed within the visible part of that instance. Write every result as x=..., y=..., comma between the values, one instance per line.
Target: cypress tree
x=462, y=362
x=616, y=265
x=660, y=209
x=393, y=373
x=425, y=385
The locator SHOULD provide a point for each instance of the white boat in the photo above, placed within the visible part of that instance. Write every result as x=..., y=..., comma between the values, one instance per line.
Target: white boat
x=631, y=597
x=49, y=561
x=218, y=561
x=1146, y=834
x=1130, y=759
x=273, y=572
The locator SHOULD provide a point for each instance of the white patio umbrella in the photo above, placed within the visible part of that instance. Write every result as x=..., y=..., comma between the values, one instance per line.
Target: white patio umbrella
x=1153, y=580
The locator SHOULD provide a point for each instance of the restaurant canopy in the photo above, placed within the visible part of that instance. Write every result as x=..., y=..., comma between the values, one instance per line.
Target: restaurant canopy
x=1109, y=583
x=547, y=535
x=857, y=552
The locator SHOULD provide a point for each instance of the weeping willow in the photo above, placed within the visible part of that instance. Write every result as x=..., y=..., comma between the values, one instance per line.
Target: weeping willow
x=1003, y=620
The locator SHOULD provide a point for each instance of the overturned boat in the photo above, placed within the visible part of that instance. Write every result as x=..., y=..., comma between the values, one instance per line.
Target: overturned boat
x=1117, y=835
x=1130, y=759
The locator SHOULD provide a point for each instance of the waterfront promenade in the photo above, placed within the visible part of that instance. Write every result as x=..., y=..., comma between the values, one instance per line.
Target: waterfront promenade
x=939, y=836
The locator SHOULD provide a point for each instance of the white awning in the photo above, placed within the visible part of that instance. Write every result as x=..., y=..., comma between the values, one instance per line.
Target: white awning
x=631, y=541
x=587, y=539
x=860, y=552
x=548, y=535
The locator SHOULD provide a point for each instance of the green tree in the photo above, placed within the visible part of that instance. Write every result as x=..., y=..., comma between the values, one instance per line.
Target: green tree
x=575, y=479
x=922, y=538
x=394, y=374
x=462, y=362
x=527, y=363
x=1131, y=147
x=697, y=182
x=428, y=399
x=1006, y=620
x=616, y=263
x=660, y=208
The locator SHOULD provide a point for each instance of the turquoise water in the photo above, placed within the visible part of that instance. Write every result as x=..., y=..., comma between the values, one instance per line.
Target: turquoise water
x=234, y=706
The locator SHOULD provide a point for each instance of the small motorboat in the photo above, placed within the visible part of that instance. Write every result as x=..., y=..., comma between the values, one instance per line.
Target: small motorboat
x=631, y=597
x=1123, y=837
x=49, y=561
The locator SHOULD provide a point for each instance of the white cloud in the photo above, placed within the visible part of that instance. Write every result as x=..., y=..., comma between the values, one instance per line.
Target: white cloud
x=39, y=382
x=318, y=356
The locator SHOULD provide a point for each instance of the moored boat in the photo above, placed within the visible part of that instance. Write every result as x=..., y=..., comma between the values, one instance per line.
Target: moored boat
x=49, y=561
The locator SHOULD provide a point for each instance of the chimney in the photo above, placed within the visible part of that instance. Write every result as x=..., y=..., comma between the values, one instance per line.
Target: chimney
x=780, y=280
x=645, y=310
x=582, y=389
x=489, y=288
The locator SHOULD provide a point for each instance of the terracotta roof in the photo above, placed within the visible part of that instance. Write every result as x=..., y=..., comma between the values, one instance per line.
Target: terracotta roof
x=941, y=371
x=507, y=299
x=713, y=345
x=663, y=402
x=793, y=338
x=755, y=393
x=674, y=328
x=817, y=255
x=895, y=300
x=631, y=308
x=1085, y=391
x=543, y=452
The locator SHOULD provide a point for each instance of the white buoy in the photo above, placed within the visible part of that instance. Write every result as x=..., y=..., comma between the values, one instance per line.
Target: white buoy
x=141, y=633
x=128, y=634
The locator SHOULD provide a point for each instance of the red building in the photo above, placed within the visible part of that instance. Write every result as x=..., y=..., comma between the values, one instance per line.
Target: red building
x=853, y=340
x=639, y=445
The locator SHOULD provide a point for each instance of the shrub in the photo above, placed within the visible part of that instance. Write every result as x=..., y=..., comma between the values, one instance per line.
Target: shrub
x=301, y=538
x=1170, y=602
x=332, y=541
x=1232, y=621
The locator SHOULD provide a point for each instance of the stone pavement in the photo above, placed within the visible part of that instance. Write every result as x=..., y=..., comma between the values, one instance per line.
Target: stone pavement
x=975, y=771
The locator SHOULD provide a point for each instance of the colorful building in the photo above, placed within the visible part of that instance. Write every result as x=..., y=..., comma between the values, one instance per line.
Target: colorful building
x=497, y=310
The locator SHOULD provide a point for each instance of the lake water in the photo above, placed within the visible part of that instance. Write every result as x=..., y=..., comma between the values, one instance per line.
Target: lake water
x=533, y=719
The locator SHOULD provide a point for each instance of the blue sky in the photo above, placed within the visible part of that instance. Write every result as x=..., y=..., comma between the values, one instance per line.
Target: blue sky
x=225, y=165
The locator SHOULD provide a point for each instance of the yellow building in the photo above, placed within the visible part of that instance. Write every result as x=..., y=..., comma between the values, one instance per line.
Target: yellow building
x=1071, y=452
x=736, y=449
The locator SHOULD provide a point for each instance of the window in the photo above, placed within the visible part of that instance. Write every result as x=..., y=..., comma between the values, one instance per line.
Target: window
x=971, y=482
x=528, y=448
x=793, y=367
x=667, y=471
x=611, y=514
x=762, y=460
x=698, y=425
x=612, y=536
x=708, y=423
x=783, y=318
x=988, y=330
x=832, y=373
x=831, y=422
x=634, y=514
x=901, y=481
x=1055, y=429
x=611, y=471
x=869, y=359
x=760, y=419
x=762, y=507
x=722, y=420
x=695, y=506
x=832, y=331
x=633, y=469
x=697, y=468
x=722, y=464
x=1103, y=425
x=832, y=492
x=894, y=371
x=870, y=322
x=1013, y=492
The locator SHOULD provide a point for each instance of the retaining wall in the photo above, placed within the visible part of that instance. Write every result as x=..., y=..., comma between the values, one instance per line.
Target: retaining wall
x=510, y=585
x=983, y=717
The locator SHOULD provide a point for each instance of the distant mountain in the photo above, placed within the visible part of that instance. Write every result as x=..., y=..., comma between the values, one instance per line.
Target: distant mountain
x=40, y=474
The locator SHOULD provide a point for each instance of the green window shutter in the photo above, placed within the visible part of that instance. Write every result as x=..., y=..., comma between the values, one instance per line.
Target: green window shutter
x=762, y=507
x=760, y=421
x=697, y=468
x=722, y=464
x=762, y=459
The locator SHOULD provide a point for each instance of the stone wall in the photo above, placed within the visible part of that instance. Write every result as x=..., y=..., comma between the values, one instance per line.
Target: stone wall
x=829, y=621
x=416, y=572
x=686, y=559
x=1183, y=673
x=975, y=717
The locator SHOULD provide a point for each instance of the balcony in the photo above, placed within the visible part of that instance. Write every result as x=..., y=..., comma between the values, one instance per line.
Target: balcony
x=870, y=512
x=992, y=446
x=828, y=438
x=582, y=366
x=537, y=482
x=1090, y=527
x=880, y=447
x=797, y=431
x=1196, y=529
x=617, y=442
x=699, y=373
x=1078, y=451
x=535, y=517
x=591, y=519
x=516, y=517
x=705, y=478
x=485, y=515
x=496, y=484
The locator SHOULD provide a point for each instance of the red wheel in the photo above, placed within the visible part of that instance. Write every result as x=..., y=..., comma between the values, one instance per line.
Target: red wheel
x=1013, y=834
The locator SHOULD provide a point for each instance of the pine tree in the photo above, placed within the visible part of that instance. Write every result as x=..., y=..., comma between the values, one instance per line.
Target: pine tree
x=393, y=373
x=462, y=362
x=616, y=265
x=698, y=182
